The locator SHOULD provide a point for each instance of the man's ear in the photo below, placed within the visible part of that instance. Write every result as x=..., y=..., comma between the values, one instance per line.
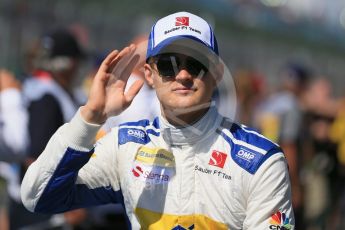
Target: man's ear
x=148, y=75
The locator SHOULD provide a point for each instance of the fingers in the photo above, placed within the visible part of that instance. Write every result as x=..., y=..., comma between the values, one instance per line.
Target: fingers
x=103, y=75
x=122, y=57
x=133, y=90
x=114, y=57
x=123, y=67
x=107, y=61
x=126, y=72
x=107, y=94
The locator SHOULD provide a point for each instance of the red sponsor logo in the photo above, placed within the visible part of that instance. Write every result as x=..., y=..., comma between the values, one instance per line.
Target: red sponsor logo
x=137, y=171
x=151, y=175
x=182, y=21
x=217, y=159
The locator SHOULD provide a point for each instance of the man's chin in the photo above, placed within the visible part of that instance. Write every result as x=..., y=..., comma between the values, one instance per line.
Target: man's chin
x=185, y=108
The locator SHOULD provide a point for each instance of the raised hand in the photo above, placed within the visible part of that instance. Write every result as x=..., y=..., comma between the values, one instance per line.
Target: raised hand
x=107, y=94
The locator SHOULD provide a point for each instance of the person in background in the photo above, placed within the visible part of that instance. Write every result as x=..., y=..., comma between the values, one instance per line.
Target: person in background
x=338, y=136
x=51, y=100
x=280, y=119
x=13, y=141
x=251, y=92
x=324, y=167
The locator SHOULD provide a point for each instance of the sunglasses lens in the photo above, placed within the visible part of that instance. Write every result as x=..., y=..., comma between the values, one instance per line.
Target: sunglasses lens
x=165, y=66
x=195, y=67
x=169, y=65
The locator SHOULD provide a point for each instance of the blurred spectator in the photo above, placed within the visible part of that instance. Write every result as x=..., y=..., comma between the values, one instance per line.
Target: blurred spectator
x=338, y=136
x=51, y=88
x=318, y=98
x=338, y=132
x=323, y=180
x=319, y=172
x=250, y=91
x=52, y=101
x=13, y=138
x=280, y=119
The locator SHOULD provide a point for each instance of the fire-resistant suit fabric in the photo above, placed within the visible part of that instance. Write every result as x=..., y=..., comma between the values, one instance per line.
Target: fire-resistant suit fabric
x=215, y=174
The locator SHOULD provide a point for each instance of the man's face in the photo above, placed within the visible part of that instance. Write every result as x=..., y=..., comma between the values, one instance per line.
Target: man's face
x=181, y=82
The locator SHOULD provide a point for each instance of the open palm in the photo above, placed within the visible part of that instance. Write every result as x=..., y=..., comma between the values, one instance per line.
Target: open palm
x=107, y=94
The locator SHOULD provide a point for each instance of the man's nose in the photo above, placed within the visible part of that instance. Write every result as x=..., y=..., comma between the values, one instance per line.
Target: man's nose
x=183, y=75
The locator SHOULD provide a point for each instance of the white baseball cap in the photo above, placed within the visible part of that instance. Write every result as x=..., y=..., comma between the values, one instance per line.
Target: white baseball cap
x=177, y=26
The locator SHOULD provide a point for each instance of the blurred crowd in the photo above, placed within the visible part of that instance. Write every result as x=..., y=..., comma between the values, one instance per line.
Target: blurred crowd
x=301, y=114
x=308, y=122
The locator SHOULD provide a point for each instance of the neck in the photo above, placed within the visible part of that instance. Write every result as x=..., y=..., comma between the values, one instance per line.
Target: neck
x=184, y=117
x=191, y=133
x=63, y=81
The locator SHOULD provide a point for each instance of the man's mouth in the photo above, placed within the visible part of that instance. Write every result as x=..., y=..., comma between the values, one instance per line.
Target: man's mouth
x=183, y=90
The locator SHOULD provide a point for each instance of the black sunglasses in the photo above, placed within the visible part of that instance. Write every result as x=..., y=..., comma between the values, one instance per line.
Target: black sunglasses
x=169, y=64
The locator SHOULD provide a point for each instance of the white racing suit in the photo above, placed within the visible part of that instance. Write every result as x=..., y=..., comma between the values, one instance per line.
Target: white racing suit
x=213, y=175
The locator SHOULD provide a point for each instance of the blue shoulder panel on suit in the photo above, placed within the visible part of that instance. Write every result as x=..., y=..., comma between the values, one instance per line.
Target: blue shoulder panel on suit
x=133, y=135
x=249, y=149
x=142, y=123
x=138, y=132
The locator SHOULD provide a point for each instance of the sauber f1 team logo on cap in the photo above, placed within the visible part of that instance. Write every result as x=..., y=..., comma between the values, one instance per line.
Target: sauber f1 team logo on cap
x=182, y=21
x=217, y=159
x=279, y=221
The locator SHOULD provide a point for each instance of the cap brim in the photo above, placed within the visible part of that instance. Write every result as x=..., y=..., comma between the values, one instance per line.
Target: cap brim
x=181, y=44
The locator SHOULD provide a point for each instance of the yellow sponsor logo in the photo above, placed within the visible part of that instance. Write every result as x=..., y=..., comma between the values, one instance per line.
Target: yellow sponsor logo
x=155, y=156
x=157, y=221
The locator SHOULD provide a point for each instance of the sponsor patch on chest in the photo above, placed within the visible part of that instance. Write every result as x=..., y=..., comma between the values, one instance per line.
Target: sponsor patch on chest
x=153, y=165
x=217, y=158
x=152, y=174
x=155, y=156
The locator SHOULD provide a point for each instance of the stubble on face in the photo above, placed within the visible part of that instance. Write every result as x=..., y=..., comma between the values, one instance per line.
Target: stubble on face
x=184, y=103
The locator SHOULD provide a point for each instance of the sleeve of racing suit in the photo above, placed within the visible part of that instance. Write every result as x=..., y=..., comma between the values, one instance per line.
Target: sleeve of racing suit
x=269, y=202
x=69, y=174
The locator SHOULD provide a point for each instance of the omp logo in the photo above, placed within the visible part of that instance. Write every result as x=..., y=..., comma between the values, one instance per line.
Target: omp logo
x=136, y=133
x=137, y=171
x=217, y=159
x=132, y=135
x=245, y=155
x=179, y=227
x=182, y=21
x=279, y=221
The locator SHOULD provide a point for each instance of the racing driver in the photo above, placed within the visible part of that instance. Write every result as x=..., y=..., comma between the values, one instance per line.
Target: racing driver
x=189, y=168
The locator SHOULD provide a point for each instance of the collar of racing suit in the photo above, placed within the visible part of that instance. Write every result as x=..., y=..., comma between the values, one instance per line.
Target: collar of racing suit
x=191, y=134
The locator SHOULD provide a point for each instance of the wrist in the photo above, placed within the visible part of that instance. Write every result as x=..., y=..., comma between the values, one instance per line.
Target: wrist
x=92, y=116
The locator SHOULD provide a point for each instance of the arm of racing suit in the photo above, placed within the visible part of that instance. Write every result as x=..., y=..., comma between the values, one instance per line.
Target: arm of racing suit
x=69, y=174
x=269, y=201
